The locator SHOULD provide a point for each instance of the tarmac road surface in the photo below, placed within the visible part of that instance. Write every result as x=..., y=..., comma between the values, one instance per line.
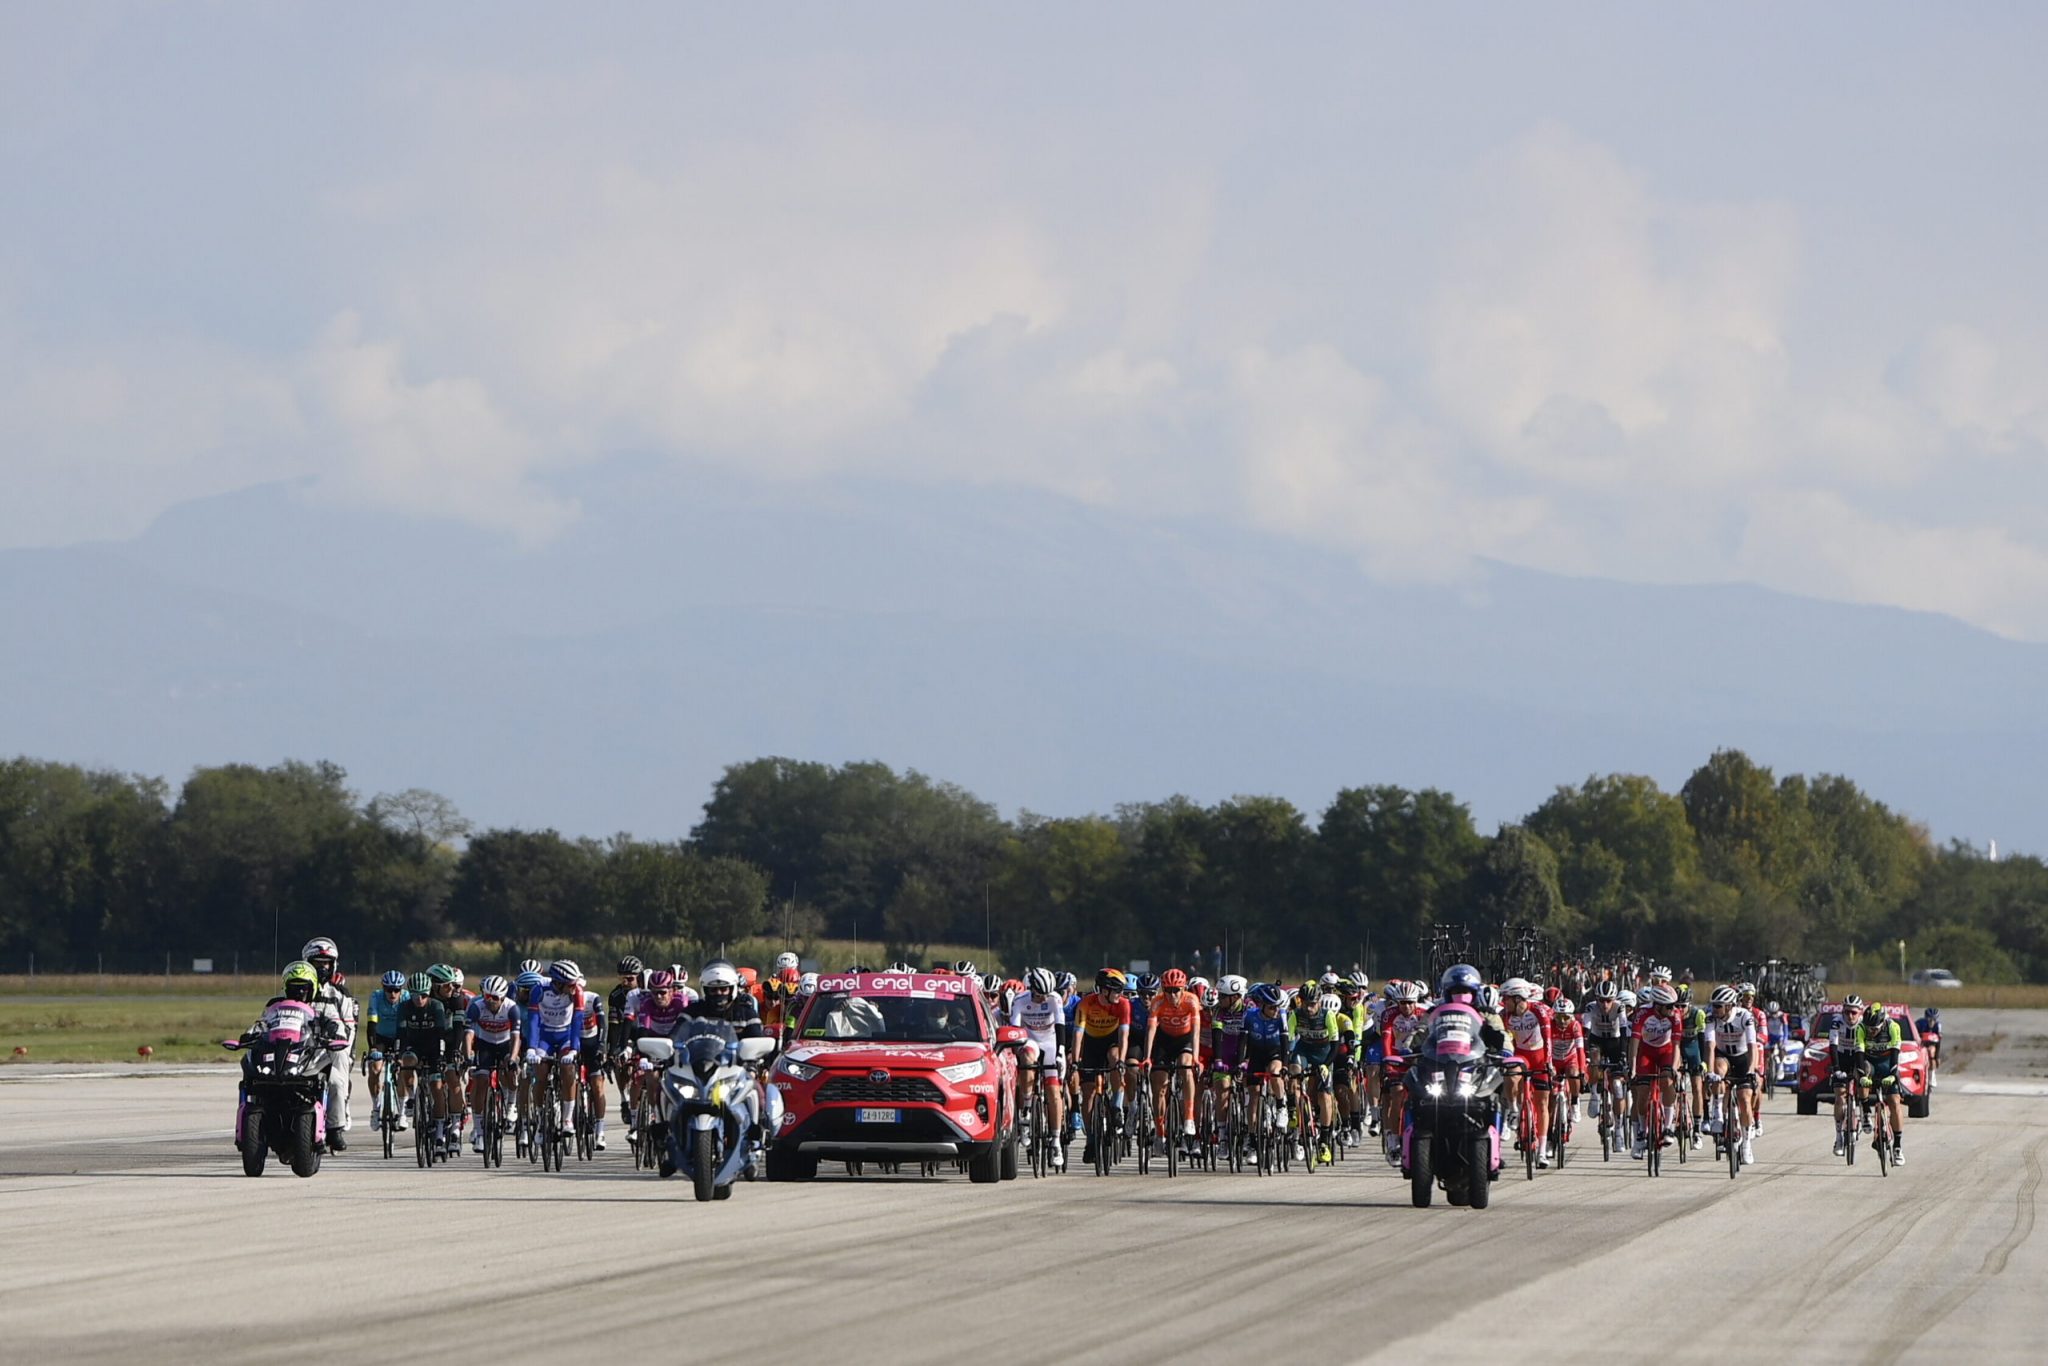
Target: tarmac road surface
x=129, y=1233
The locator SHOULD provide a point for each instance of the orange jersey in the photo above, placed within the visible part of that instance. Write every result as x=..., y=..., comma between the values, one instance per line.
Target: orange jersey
x=1177, y=1021
x=1099, y=1019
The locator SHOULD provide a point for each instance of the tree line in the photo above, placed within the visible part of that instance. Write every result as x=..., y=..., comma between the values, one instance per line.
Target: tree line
x=1738, y=863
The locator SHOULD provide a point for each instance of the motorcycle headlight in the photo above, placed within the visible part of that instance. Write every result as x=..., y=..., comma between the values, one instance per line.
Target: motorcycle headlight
x=1433, y=1088
x=802, y=1071
x=721, y=1092
x=1467, y=1084
x=964, y=1071
x=684, y=1090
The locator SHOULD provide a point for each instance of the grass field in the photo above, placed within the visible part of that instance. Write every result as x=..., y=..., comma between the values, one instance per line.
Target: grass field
x=2025, y=996
x=180, y=1027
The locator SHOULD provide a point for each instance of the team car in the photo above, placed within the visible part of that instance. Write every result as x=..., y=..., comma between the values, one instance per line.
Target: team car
x=897, y=1067
x=1814, y=1067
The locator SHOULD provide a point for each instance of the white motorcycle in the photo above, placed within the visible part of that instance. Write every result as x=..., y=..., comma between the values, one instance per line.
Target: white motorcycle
x=712, y=1105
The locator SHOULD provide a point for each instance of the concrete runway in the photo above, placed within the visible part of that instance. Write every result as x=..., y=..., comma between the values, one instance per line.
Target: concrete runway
x=128, y=1230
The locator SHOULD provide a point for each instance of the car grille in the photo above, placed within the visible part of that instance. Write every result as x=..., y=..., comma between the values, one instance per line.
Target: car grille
x=907, y=1090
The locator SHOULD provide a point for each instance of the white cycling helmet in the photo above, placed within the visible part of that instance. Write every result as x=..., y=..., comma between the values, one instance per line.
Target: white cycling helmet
x=1328, y=979
x=1628, y=998
x=1518, y=986
x=1230, y=984
x=1331, y=1002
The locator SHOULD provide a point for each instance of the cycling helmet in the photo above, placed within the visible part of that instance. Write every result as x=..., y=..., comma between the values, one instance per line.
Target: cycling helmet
x=395, y=979
x=1173, y=979
x=1685, y=991
x=629, y=966
x=1660, y=973
x=1063, y=982
x=1661, y=996
x=532, y=965
x=807, y=985
x=496, y=988
x=1875, y=1008
x=1565, y=1007
x=1745, y=988
x=1933, y=1014
x=1853, y=1003
x=1328, y=979
x=682, y=973
x=318, y=948
x=420, y=984
x=1517, y=986
x=1608, y=991
x=991, y=985
x=1330, y=1004
x=1265, y=994
x=1392, y=990
x=898, y=966
x=1109, y=979
x=460, y=980
x=787, y=960
x=789, y=974
x=1200, y=984
x=1148, y=984
x=1489, y=997
x=749, y=976
x=529, y=981
x=1230, y=984
x=563, y=972
x=1628, y=998
x=661, y=979
x=443, y=976
x=963, y=967
x=1411, y=993
x=300, y=981
x=1208, y=995
x=1460, y=977
x=1040, y=981
x=1724, y=996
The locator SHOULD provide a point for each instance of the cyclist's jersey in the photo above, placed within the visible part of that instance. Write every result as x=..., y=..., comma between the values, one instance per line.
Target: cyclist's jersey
x=1733, y=1037
x=655, y=1018
x=1141, y=1012
x=1268, y=1031
x=1529, y=1028
x=1566, y=1040
x=423, y=1028
x=1658, y=1033
x=1178, y=1020
x=1226, y=1033
x=593, y=1026
x=1695, y=1022
x=1376, y=1010
x=554, y=1021
x=1099, y=1019
x=1353, y=1022
x=494, y=1026
x=1041, y=1020
x=382, y=1011
x=1315, y=1033
x=1881, y=1042
x=1402, y=1027
x=456, y=1003
x=619, y=1007
x=1606, y=1022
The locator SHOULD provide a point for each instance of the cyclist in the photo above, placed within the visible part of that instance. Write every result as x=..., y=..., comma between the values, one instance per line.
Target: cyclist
x=422, y=1037
x=526, y=989
x=1732, y=1039
x=448, y=991
x=1226, y=1035
x=1314, y=1026
x=1847, y=1065
x=1745, y=996
x=337, y=1004
x=1528, y=1023
x=1568, y=1058
x=1174, y=1023
x=1353, y=1022
x=1039, y=1012
x=1930, y=1039
x=1652, y=1052
x=596, y=1056
x=1879, y=1037
x=554, y=1035
x=1102, y=1033
x=1069, y=989
x=1692, y=1053
x=619, y=1003
x=1268, y=1038
x=1143, y=992
x=383, y=1040
x=494, y=1024
x=779, y=1000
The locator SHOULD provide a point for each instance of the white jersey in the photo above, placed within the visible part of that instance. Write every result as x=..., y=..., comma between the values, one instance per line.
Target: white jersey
x=1043, y=1020
x=1734, y=1036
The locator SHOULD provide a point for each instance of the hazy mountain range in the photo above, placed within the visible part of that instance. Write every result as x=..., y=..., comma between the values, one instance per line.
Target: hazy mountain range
x=1044, y=654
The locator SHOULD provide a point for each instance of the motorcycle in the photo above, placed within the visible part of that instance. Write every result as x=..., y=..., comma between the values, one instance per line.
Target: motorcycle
x=282, y=1104
x=711, y=1104
x=1451, y=1134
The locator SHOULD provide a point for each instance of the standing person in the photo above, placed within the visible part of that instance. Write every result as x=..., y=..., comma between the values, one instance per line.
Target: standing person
x=334, y=1001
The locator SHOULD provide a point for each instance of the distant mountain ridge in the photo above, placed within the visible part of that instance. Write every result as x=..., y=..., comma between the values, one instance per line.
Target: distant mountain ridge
x=1045, y=654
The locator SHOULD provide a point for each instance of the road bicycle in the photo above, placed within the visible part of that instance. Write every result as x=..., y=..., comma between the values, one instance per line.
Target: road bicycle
x=583, y=1115
x=491, y=1124
x=387, y=1107
x=1657, y=1120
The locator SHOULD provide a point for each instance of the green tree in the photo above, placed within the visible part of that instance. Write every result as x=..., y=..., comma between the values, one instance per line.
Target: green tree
x=1389, y=862
x=1515, y=883
x=518, y=888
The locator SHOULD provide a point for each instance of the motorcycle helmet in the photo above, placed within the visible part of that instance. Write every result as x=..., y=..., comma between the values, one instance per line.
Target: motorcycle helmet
x=322, y=954
x=787, y=960
x=1040, y=981
x=420, y=984
x=1460, y=979
x=394, y=980
x=629, y=966
x=720, y=980
x=495, y=988
x=1265, y=994
x=300, y=981
x=807, y=985
x=1230, y=984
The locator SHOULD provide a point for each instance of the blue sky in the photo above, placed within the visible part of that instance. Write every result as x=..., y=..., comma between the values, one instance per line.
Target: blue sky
x=1659, y=294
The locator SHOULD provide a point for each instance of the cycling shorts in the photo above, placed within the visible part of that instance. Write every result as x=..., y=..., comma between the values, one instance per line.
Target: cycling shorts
x=498, y=1055
x=1095, y=1051
x=1884, y=1069
x=1738, y=1066
x=552, y=1044
x=1260, y=1057
x=1169, y=1050
x=1538, y=1062
x=1650, y=1061
x=1695, y=1061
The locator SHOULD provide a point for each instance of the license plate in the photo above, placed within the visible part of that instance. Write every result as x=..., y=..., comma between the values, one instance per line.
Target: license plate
x=865, y=1116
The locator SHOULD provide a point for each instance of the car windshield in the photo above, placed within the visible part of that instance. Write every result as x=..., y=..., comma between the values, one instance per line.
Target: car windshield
x=892, y=1019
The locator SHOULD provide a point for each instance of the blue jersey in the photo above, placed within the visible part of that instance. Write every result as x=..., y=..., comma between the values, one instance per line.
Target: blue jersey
x=1267, y=1030
x=1141, y=1011
x=382, y=1012
x=555, y=1019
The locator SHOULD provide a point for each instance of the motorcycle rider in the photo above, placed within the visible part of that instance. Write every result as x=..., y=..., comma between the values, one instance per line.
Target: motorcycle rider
x=724, y=1000
x=298, y=986
x=338, y=1004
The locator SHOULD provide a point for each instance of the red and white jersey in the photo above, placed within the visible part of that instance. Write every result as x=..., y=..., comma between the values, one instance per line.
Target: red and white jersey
x=1655, y=1031
x=1529, y=1028
x=1565, y=1036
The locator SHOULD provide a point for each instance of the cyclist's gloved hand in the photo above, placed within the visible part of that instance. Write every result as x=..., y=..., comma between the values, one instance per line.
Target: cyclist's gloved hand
x=536, y=1055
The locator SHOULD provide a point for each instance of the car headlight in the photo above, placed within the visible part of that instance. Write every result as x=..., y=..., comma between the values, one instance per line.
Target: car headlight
x=964, y=1071
x=802, y=1071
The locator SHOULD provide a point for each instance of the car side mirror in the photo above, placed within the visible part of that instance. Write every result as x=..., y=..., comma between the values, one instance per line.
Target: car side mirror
x=754, y=1052
x=1012, y=1036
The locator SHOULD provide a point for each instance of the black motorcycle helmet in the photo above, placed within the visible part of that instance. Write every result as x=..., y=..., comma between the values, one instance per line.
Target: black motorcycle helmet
x=1460, y=977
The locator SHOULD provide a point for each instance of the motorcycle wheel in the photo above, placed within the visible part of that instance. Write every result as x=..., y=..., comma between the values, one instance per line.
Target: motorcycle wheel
x=703, y=1163
x=255, y=1152
x=1477, y=1184
x=1421, y=1173
x=305, y=1151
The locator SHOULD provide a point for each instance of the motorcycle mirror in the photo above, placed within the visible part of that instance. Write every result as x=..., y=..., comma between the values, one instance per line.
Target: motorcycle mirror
x=231, y=1044
x=755, y=1051
x=337, y=1045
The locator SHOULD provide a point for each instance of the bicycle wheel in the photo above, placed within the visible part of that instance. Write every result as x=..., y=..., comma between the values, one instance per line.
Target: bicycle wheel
x=1880, y=1135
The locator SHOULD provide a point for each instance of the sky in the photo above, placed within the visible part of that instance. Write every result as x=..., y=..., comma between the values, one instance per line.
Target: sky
x=1651, y=293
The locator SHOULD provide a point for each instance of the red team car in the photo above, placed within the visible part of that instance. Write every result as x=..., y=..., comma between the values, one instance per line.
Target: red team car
x=1813, y=1090
x=897, y=1067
